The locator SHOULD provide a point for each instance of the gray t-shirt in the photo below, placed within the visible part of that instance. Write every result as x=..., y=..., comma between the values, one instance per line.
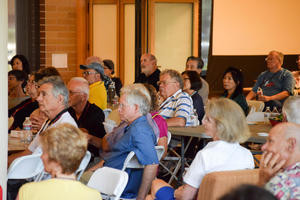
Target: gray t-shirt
x=274, y=83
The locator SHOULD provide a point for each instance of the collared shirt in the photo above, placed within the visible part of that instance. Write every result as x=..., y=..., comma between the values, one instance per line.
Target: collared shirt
x=152, y=79
x=91, y=118
x=179, y=104
x=98, y=94
x=138, y=137
x=286, y=184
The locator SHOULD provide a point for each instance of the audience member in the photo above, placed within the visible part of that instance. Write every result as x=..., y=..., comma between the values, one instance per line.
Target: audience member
x=233, y=81
x=191, y=84
x=63, y=149
x=280, y=162
x=89, y=117
x=177, y=107
x=226, y=123
x=290, y=109
x=248, y=192
x=94, y=73
x=16, y=94
x=149, y=71
x=53, y=101
x=20, y=62
x=196, y=64
x=109, y=70
x=275, y=84
x=298, y=62
x=26, y=107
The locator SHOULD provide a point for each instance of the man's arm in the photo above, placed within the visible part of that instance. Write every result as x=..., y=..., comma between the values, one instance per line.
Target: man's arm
x=279, y=96
x=269, y=166
x=176, y=121
x=148, y=176
x=251, y=95
x=185, y=192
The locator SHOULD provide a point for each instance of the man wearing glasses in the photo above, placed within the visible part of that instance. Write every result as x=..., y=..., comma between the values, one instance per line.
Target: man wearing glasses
x=276, y=83
x=94, y=74
x=177, y=107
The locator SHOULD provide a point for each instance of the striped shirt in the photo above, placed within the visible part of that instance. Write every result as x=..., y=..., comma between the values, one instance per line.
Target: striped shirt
x=179, y=104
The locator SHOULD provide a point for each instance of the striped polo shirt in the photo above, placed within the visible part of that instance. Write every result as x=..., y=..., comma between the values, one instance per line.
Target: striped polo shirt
x=180, y=104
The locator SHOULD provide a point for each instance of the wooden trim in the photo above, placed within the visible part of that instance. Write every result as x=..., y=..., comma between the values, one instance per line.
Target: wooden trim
x=90, y=28
x=81, y=37
x=195, y=27
x=105, y=2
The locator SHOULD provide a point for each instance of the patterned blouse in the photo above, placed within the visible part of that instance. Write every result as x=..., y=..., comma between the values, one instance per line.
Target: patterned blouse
x=286, y=184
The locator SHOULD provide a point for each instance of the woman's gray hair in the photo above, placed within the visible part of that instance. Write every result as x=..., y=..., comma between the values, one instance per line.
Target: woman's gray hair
x=291, y=109
x=137, y=94
x=174, y=75
x=84, y=85
x=58, y=87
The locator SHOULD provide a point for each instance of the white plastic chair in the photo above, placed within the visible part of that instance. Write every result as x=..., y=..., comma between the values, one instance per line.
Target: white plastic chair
x=106, y=112
x=109, y=181
x=132, y=162
x=26, y=167
x=169, y=137
x=85, y=161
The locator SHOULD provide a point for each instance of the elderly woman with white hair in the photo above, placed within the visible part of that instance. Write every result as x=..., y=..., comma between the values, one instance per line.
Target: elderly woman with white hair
x=225, y=122
x=291, y=109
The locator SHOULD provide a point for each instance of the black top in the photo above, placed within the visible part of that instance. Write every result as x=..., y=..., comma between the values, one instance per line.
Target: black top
x=118, y=84
x=241, y=100
x=92, y=119
x=152, y=79
x=198, y=105
x=21, y=111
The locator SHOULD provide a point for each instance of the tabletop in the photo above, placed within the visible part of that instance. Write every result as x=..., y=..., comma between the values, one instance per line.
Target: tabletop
x=15, y=144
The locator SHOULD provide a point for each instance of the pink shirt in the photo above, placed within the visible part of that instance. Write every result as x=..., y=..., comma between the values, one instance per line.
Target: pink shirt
x=161, y=123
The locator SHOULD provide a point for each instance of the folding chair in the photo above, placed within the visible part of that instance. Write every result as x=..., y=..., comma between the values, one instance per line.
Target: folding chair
x=106, y=112
x=109, y=181
x=85, y=161
x=26, y=167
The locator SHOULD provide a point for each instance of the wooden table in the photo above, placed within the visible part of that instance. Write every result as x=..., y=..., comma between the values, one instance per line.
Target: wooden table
x=198, y=131
x=15, y=144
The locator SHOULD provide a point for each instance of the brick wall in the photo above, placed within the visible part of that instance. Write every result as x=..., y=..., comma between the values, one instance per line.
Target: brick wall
x=58, y=33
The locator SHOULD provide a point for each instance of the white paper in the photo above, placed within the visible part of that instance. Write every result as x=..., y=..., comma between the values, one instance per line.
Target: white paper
x=60, y=60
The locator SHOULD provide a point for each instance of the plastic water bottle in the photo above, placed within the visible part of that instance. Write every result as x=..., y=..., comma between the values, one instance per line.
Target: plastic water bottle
x=27, y=134
x=267, y=114
x=275, y=112
x=111, y=92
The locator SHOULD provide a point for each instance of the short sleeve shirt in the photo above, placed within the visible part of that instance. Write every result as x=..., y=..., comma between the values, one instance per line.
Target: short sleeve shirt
x=98, y=94
x=274, y=83
x=180, y=104
x=218, y=156
x=140, y=138
x=286, y=184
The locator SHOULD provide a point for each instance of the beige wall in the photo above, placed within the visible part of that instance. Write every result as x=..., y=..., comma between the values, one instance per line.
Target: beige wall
x=105, y=31
x=173, y=34
x=243, y=27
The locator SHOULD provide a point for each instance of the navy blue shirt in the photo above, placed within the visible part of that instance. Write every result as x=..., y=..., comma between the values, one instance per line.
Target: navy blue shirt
x=140, y=138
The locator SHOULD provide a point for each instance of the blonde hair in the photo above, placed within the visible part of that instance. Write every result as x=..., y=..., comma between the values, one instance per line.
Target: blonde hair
x=230, y=120
x=66, y=145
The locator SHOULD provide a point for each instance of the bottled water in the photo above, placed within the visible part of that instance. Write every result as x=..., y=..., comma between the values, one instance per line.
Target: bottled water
x=27, y=134
x=267, y=114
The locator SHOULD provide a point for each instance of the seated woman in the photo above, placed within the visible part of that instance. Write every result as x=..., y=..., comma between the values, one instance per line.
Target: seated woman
x=16, y=94
x=225, y=122
x=63, y=149
x=109, y=70
x=20, y=62
x=233, y=81
x=191, y=84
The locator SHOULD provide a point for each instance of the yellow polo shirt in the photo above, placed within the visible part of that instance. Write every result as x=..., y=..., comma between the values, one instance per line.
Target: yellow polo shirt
x=98, y=94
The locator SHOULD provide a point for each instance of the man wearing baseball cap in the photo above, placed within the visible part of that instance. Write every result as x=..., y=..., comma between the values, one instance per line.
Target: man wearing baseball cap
x=94, y=74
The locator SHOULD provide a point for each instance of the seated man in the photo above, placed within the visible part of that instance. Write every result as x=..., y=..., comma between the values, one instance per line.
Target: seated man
x=53, y=101
x=196, y=64
x=280, y=163
x=177, y=107
x=275, y=84
x=138, y=137
x=88, y=117
x=94, y=74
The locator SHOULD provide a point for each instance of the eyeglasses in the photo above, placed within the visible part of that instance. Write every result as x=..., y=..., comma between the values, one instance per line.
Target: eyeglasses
x=270, y=59
x=73, y=92
x=165, y=82
x=31, y=82
x=86, y=73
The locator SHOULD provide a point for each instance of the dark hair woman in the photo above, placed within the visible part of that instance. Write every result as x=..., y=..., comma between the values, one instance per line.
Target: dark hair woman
x=233, y=80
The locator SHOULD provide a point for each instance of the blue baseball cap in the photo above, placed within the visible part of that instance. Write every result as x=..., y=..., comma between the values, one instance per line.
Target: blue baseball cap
x=96, y=66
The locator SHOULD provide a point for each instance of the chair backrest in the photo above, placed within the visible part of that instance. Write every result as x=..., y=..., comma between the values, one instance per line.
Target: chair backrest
x=106, y=112
x=85, y=161
x=255, y=106
x=25, y=167
x=216, y=184
x=169, y=137
x=131, y=160
x=109, y=181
